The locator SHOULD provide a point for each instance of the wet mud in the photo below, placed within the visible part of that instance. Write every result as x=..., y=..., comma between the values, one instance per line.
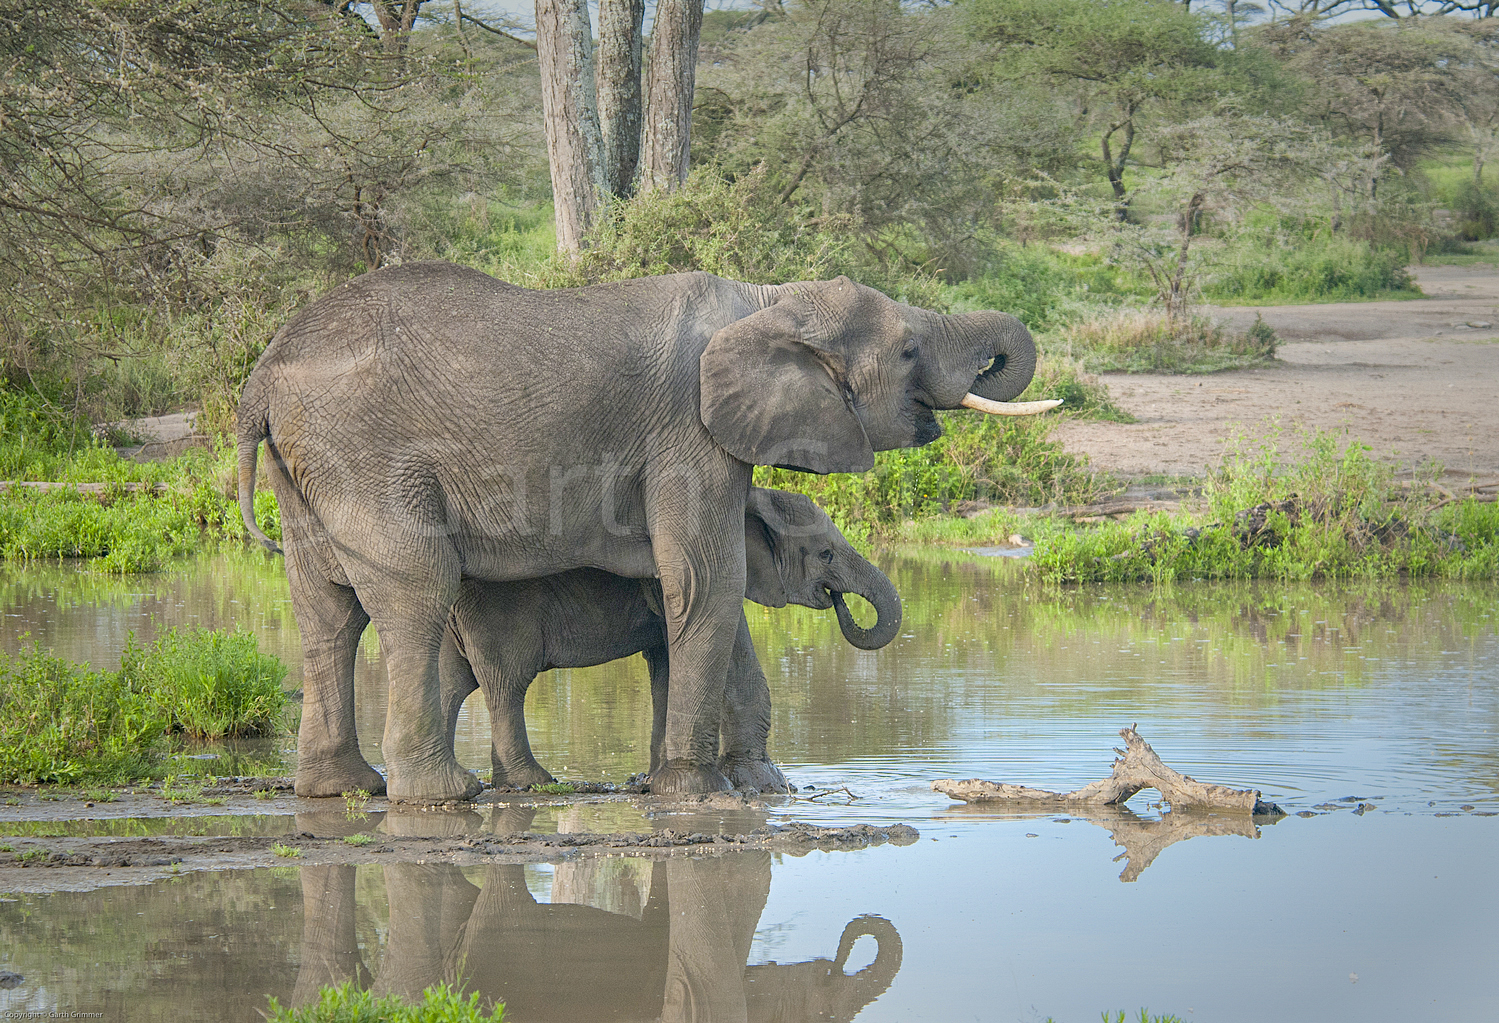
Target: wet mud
x=48, y=847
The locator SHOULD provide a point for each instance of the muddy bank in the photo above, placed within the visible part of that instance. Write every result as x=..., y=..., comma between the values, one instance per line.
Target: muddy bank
x=50, y=849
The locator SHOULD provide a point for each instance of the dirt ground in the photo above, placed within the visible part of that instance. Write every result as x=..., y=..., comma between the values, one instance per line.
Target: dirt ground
x=1417, y=381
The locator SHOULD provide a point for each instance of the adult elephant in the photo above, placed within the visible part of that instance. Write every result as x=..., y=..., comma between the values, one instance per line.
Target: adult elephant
x=426, y=423
x=502, y=635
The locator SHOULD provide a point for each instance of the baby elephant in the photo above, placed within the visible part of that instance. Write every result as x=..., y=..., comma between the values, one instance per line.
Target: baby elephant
x=502, y=635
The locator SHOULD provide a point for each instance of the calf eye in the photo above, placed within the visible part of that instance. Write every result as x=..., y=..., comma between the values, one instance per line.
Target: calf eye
x=827, y=557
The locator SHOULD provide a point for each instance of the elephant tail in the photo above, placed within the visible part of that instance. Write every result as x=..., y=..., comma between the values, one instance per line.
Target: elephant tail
x=254, y=427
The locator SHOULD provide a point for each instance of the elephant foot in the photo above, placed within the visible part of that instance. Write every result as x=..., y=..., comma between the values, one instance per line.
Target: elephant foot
x=440, y=782
x=760, y=775
x=521, y=776
x=333, y=776
x=683, y=777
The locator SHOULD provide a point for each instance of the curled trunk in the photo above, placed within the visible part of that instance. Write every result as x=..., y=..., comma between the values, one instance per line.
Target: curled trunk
x=880, y=592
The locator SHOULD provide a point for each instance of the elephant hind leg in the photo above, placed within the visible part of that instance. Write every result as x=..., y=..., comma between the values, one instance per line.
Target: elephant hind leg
x=331, y=620
x=410, y=604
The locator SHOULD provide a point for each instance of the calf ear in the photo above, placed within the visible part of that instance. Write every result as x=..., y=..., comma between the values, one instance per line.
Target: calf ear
x=772, y=396
x=762, y=576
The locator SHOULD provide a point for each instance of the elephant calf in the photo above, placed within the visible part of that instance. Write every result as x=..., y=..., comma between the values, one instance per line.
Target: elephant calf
x=500, y=636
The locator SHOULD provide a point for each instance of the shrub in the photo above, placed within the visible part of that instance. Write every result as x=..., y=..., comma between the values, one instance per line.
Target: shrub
x=213, y=684
x=62, y=722
x=1150, y=341
x=1328, y=269
x=66, y=723
x=978, y=458
x=342, y=1004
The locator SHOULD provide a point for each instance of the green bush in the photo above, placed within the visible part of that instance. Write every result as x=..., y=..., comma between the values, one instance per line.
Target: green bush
x=213, y=684
x=1331, y=514
x=1326, y=269
x=978, y=458
x=62, y=722
x=342, y=1004
x=66, y=723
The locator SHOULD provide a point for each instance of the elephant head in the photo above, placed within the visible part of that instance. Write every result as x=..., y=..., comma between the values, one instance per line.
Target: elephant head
x=795, y=555
x=832, y=371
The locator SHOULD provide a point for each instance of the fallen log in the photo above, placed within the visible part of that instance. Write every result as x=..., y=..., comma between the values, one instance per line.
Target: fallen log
x=1136, y=767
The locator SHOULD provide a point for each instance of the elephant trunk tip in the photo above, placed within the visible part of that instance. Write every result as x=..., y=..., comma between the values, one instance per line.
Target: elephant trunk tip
x=887, y=623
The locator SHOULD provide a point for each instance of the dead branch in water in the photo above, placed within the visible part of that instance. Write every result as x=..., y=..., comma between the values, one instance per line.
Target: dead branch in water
x=1137, y=767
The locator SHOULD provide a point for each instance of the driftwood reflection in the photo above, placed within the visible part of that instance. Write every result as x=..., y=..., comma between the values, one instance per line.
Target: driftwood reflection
x=622, y=939
x=1142, y=838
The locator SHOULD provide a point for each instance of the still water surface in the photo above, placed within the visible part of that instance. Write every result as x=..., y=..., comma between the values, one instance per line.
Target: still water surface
x=1323, y=697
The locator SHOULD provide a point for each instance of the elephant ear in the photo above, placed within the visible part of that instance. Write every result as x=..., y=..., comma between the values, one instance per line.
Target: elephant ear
x=762, y=575
x=772, y=394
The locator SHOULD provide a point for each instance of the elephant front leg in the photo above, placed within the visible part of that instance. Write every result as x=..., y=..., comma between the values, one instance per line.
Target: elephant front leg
x=331, y=620
x=514, y=763
x=703, y=600
x=745, y=759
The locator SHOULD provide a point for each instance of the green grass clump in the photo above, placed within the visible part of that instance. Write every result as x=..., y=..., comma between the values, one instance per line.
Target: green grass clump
x=554, y=788
x=342, y=1004
x=1150, y=341
x=68, y=724
x=359, y=839
x=214, y=684
x=1334, y=513
x=65, y=723
x=123, y=530
x=289, y=852
x=1325, y=269
x=978, y=458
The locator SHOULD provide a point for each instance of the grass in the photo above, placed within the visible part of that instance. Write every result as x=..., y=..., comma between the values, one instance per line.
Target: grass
x=216, y=684
x=343, y=1004
x=68, y=724
x=554, y=788
x=1150, y=341
x=355, y=801
x=289, y=852
x=359, y=839
x=1332, y=513
x=978, y=458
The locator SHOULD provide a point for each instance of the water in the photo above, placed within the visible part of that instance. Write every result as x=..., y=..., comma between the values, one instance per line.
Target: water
x=1322, y=697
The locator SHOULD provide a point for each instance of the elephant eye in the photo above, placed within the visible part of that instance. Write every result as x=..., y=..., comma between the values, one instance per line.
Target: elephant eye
x=910, y=349
x=827, y=557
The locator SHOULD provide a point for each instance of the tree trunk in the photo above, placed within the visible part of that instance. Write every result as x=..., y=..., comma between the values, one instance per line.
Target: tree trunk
x=1114, y=165
x=619, y=92
x=569, y=105
x=668, y=126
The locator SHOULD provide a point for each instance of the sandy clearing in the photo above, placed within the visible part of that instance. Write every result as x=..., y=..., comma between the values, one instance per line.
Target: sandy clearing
x=1411, y=379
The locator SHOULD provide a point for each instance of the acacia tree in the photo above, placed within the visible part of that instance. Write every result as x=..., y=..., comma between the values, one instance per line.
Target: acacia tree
x=569, y=104
x=1120, y=57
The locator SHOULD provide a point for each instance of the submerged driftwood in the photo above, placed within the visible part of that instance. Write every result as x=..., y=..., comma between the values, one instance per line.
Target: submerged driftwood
x=1137, y=767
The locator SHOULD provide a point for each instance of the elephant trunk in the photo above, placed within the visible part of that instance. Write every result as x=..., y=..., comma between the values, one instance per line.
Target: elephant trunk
x=987, y=355
x=880, y=592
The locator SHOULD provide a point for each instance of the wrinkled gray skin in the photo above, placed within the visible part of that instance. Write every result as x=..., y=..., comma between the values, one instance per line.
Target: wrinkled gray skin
x=502, y=635
x=427, y=423
x=683, y=960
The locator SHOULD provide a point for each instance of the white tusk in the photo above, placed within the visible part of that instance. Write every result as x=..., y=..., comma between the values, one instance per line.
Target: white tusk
x=1009, y=408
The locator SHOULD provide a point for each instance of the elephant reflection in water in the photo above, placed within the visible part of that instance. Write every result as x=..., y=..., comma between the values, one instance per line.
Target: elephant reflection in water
x=682, y=959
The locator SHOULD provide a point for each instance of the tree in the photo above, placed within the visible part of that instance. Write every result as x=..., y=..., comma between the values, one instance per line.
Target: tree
x=1121, y=57
x=1387, y=88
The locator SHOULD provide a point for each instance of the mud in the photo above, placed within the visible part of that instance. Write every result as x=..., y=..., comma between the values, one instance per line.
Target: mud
x=491, y=830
